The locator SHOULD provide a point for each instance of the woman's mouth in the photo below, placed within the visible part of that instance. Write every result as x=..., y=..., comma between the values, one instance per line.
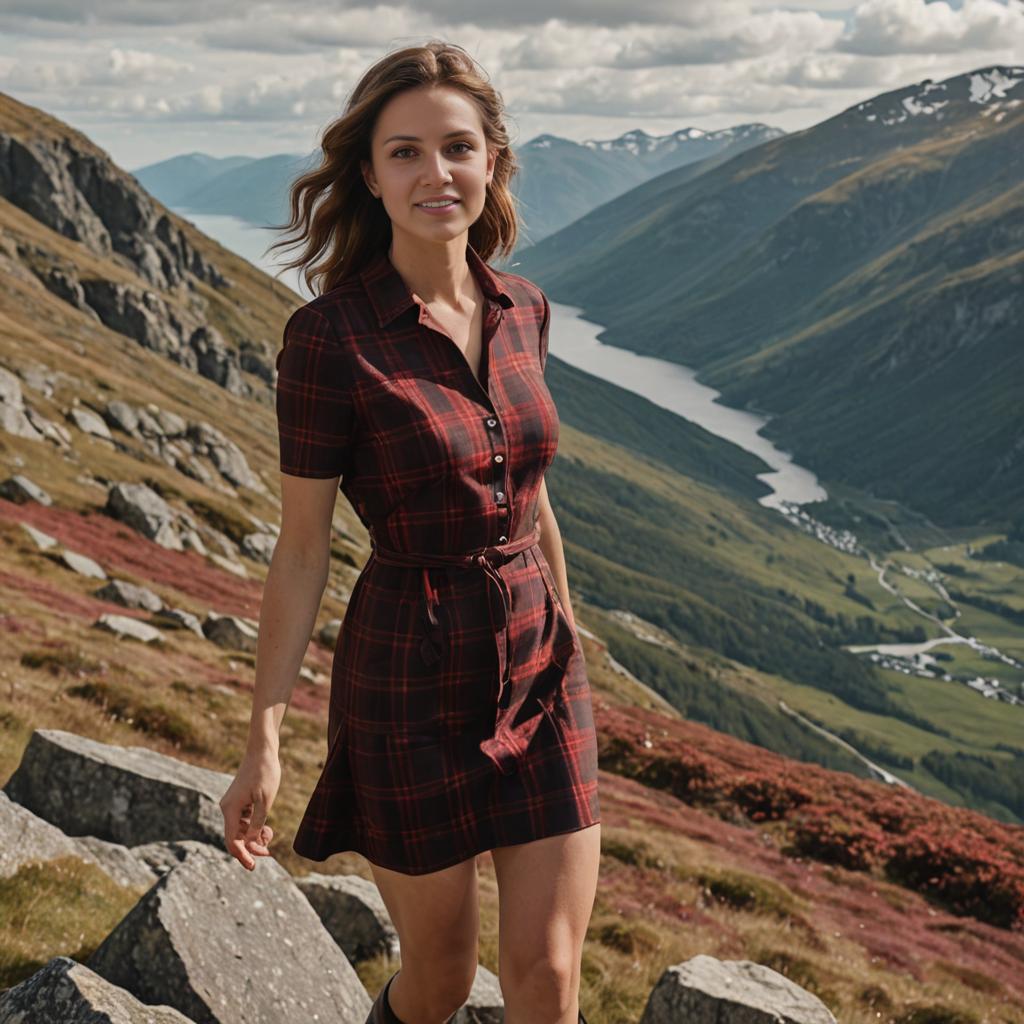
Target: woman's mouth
x=439, y=208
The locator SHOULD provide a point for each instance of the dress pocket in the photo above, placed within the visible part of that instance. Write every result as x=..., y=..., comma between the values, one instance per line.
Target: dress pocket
x=565, y=641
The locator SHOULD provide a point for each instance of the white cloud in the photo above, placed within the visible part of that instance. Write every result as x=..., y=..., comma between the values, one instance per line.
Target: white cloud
x=584, y=68
x=887, y=27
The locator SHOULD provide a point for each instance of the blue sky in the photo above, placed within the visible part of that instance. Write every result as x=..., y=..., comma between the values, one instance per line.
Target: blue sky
x=148, y=79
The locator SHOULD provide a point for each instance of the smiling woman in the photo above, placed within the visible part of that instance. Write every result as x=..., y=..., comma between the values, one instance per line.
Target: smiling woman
x=460, y=718
x=336, y=221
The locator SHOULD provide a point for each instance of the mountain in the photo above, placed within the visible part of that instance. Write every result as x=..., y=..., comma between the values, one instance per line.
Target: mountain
x=558, y=180
x=174, y=179
x=256, y=192
x=859, y=280
x=139, y=511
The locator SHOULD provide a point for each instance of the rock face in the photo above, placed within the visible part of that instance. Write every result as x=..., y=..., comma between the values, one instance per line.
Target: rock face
x=80, y=193
x=68, y=992
x=705, y=990
x=225, y=947
x=127, y=795
x=60, y=179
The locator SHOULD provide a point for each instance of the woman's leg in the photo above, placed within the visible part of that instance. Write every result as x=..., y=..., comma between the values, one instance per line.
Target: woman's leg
x=546, y=892
x=437, y=919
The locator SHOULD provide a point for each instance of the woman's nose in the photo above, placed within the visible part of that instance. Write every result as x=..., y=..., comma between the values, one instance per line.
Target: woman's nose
x=437, y=170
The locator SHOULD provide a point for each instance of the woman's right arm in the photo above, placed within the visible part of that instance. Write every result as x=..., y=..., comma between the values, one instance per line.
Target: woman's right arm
x=315, y=427
x=294, y=587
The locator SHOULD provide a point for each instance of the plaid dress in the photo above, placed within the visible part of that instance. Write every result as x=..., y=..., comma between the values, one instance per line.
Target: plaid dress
x=460, y=714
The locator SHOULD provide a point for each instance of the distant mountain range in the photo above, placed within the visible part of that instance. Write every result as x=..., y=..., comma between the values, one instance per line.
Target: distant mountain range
x=860, y=280
x=558, y=180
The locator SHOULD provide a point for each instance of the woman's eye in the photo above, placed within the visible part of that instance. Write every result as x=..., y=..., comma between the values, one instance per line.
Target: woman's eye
x=408, y=149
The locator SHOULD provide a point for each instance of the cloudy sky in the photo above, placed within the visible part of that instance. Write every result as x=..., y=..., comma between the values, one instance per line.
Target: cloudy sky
x=149, y=79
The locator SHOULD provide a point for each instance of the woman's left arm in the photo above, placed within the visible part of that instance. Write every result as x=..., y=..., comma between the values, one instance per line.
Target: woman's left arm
x=551, y=545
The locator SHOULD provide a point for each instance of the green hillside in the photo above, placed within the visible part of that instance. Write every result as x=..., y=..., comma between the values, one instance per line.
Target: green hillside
x=859, y=280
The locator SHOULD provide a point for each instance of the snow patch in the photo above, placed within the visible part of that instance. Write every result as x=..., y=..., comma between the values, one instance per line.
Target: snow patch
x=989, y=85
x=914, y=106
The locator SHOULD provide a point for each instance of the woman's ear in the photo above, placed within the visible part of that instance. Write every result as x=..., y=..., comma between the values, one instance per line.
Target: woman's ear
x=368, y=177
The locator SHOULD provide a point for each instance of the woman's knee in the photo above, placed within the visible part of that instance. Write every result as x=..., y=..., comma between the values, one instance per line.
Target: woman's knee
x=546, y=982
x=440, y=984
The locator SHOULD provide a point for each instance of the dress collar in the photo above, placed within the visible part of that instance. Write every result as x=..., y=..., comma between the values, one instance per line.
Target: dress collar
x=390, y=296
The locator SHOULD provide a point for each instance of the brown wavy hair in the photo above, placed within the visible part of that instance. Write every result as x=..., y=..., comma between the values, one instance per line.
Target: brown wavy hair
x=338, y=222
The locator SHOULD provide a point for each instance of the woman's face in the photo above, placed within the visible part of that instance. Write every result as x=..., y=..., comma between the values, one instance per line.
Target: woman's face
x=429, y=141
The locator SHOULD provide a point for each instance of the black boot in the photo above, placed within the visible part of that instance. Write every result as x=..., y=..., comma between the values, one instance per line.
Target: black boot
x=381, y=1012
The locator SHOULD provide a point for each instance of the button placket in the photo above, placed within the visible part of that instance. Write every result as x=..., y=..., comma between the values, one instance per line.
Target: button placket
x=499, y=483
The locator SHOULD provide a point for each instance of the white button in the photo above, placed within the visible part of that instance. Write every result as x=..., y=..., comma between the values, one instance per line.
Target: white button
x=491, y=423
x=502, y=539
x=499, y=458
x=500, y=495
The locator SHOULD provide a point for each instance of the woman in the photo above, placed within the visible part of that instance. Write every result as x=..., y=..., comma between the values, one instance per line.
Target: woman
x=460, y=717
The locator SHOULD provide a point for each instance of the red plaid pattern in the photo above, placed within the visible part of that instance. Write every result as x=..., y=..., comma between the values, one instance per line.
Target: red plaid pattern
x=460, y=716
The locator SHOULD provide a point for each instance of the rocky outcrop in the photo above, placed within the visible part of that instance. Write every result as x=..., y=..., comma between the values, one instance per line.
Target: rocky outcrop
x=130, y=595
x=76, y=190
x=181, y=443
x=165, y=328
x=83, y=195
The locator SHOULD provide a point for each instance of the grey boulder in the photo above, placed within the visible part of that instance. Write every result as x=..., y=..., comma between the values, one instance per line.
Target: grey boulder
x=705, y=990
x=71, y=993
x=228, y=946
x=127, y=795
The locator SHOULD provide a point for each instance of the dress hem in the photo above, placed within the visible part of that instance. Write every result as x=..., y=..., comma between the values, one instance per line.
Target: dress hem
x=360, y=845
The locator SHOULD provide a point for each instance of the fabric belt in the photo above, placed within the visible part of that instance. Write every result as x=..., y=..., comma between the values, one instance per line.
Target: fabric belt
x=488, y=559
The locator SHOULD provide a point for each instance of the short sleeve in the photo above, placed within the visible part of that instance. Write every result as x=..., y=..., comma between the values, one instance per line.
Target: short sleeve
x=545, y=326
x=314, y=408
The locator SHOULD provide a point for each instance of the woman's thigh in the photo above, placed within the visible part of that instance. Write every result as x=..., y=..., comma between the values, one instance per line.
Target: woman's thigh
x=546, y=891
x=436, y=915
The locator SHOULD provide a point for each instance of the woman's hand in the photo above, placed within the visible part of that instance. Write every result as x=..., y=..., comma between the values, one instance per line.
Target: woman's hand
x=246, y=804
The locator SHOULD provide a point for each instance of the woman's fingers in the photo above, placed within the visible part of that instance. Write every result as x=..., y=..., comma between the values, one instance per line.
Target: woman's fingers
x=245, y=831
x=259, y=843
x=245, y=806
